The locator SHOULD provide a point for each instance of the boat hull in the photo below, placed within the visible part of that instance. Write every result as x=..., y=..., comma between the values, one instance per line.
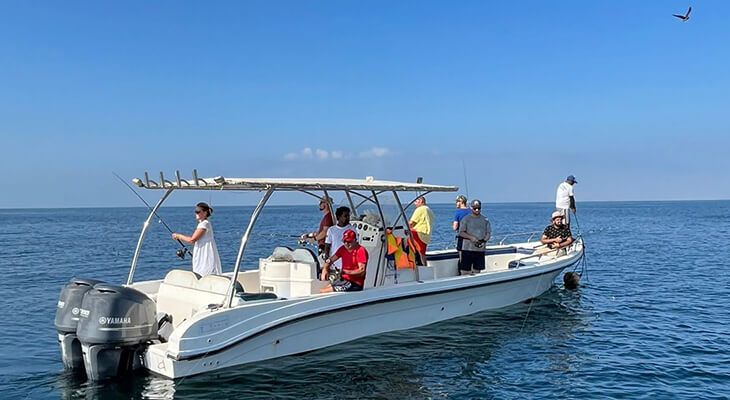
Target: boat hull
x=323, y=321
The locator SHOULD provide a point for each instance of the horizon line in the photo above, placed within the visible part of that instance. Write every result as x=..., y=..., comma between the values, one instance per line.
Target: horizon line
x=306, y=204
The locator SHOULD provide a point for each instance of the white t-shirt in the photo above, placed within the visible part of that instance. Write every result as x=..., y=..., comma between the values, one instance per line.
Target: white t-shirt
x=562, y=198
x=205, y=252
x=334, y=237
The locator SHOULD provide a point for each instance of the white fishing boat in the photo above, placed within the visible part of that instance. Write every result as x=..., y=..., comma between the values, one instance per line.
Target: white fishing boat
x=184, y=325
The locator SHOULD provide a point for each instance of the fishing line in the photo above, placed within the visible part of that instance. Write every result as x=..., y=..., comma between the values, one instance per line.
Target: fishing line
x=532, y=299
x=583, y=262
x=180, y=253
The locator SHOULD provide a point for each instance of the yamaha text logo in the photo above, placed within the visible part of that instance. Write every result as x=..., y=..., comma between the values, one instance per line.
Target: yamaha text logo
x=115, y=320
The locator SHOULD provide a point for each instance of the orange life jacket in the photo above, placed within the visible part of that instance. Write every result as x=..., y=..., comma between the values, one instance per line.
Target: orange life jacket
x=399, y=252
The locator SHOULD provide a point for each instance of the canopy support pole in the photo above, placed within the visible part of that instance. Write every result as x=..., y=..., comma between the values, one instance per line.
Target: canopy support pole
x=244, y=240
x=142, y=234
x=406, y=228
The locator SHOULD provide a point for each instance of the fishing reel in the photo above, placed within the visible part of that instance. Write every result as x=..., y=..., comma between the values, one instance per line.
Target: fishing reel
x=333, y=275
x=181, y=253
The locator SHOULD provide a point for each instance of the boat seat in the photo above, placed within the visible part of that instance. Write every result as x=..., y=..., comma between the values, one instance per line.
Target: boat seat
x=305, y=255
x=182, y=294
x=256, y=296
x=282, y=253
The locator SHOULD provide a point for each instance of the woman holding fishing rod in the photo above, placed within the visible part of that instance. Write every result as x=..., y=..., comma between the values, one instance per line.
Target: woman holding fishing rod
x=205, y=253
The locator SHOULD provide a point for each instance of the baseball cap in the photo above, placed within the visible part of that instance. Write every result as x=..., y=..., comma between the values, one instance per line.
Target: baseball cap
x=571, y=178
x=349, y=236
x=476, y=204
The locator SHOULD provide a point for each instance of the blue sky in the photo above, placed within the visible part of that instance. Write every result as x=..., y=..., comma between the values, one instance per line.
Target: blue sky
x=622, y=95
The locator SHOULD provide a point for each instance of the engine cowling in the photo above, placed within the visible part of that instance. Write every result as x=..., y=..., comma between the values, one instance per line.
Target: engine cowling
x=67, y=320
x=115, y=325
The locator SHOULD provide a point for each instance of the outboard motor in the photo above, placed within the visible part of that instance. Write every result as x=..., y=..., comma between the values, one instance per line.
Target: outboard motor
x=67, y=318
x=116, y=323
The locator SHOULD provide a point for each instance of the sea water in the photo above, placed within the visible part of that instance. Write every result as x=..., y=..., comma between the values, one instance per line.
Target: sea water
x=650, y=320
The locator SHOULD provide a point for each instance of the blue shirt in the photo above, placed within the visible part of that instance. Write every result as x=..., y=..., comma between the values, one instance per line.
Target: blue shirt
x=460, y=214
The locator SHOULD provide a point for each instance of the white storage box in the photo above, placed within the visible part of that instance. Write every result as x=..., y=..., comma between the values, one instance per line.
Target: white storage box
x=287, y=278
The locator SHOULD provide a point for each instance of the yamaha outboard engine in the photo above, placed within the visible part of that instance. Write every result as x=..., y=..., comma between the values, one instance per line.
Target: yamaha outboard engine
x=116, y=324
x=67, y=318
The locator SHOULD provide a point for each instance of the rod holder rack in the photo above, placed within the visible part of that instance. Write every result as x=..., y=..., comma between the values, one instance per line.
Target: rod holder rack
x=179, y=182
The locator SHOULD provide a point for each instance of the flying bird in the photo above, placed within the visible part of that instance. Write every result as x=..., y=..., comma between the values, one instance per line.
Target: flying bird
x=684, y=17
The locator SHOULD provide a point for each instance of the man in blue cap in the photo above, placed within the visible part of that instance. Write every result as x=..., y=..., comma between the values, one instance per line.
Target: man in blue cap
x=564, y=200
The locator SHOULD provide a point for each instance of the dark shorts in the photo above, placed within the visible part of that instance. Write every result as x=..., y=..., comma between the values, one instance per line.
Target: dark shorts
x=471, y=260
x=343, y=285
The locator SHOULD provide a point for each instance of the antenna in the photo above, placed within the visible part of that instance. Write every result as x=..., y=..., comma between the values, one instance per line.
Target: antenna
x=466, y=185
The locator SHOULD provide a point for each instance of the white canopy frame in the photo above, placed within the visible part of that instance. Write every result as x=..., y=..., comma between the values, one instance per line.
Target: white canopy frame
x=269, y=186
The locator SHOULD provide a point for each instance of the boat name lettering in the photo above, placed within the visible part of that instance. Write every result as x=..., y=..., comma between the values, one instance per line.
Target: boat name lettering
x=214, y=325
x=115, y=320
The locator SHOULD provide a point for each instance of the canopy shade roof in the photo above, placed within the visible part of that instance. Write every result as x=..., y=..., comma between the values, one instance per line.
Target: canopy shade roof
x=257, y=184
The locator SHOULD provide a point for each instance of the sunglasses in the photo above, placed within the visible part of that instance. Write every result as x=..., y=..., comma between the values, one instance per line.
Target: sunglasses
x=476, y=208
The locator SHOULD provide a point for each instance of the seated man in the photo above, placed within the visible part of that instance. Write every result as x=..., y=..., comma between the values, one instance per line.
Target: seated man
x=557, y=235
x=354, y=259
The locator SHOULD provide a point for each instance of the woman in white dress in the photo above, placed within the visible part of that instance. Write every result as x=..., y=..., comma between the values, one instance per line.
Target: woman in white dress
x=205, y=252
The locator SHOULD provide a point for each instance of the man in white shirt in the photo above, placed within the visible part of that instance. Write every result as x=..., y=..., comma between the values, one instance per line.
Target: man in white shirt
x=333, y=240
x=564, y=200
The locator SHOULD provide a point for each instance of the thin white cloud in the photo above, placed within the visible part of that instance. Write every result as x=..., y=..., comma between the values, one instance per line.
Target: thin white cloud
x=305, y=153
x=375, y=152
x=322, y=154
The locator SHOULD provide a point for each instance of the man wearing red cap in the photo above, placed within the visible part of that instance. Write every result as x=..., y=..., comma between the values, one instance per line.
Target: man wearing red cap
x=354, y=259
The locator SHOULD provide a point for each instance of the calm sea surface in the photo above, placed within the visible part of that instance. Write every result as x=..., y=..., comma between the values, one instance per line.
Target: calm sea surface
x=650, y=321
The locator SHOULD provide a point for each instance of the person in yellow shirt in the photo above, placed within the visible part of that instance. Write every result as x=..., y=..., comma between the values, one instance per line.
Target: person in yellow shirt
x=421, y=224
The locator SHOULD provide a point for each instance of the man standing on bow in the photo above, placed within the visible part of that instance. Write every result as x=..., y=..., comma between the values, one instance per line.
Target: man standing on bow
x=564, y=200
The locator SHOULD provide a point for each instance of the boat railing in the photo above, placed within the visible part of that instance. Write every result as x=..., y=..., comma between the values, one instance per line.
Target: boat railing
x=530, y=235
x=447, y=241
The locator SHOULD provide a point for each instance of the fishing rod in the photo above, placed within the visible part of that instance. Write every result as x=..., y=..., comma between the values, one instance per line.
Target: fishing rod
x=301, y=242
x=180, y=253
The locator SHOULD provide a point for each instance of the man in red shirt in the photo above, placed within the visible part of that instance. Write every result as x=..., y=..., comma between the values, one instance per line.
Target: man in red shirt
x=324, y=224
x=354, y=259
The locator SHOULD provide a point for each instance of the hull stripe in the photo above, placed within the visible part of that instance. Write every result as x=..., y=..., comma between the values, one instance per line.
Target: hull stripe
x=195, y=356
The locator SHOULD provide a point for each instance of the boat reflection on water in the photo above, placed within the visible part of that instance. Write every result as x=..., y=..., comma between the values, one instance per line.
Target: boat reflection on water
x=73, y=386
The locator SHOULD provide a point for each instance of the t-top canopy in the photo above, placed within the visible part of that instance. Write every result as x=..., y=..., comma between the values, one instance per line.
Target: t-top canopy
x=258, y=184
